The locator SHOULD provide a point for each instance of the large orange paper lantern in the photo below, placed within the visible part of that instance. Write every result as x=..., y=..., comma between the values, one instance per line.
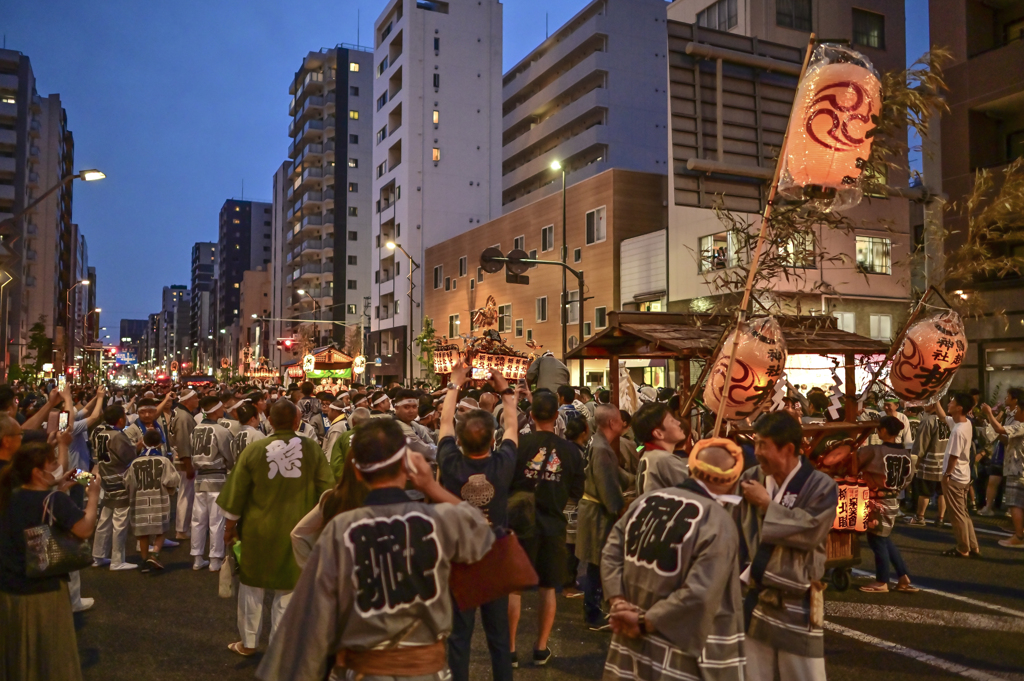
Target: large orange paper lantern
x=828, y=134
x=760, y=360
x=930, y=355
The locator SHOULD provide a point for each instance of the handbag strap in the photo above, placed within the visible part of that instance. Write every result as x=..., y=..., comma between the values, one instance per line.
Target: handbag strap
x=48, y=518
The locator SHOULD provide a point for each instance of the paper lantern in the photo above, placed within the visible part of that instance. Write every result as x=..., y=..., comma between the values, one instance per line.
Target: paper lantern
x=852, y=509
x=512, y=367
x=828, y=133
x=760, y=358
x=931, y=353
x=445, y=357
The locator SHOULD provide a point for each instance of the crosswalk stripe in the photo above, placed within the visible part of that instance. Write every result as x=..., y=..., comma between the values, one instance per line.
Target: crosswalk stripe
x=946, y=665
x=963, y=620
x=963, y=599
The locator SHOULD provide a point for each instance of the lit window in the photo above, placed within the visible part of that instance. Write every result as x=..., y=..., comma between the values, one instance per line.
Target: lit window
x=352, y=66
x=596, y=230
x=8, y=100
x=437, y=116
x=800, y=250
x=717, y=252
x=353, y=211
x=353, y=114
x=881, y=327
x=846, y=321
x=436, y=154
x=353, y=163
x=351, y=309
x=353, y=187
x=874, y=255
x=236, y=285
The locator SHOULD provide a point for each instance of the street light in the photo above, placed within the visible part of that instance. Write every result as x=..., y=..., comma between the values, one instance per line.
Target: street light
x=316, y=306
x=558, y=167
x=70, y=330
x=413, y=266
x=89, y=316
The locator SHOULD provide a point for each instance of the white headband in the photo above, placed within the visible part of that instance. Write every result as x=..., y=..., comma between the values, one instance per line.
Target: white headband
x=186, y=395
x=370, y=467
x=379, y=400
x=467, y=405
x=408, y=400
x=213, y=408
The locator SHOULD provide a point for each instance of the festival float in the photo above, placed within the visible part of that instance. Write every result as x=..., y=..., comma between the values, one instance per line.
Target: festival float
x=484, y=353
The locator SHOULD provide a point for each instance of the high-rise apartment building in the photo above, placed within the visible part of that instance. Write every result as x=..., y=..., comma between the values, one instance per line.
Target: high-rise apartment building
x=244, y=244
x=322, y=241
x=591, y=96
x=175, y=314
x=203, y=309
x=280, y=273
x=984, y=129
x=436, y=148
x=133, y=337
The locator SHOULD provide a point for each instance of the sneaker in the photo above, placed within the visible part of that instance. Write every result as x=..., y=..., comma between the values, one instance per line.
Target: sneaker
x=215, y=564
x=153, y=564
x=1012, y=543
x=199, y=563
x=84, y=605
x=515, y=660
x=541, y=657
x=170, y=543
x=100, y=562
x=123, y=566
x=940, y=524
x=602, y=624
x=986, y=512
x=916, y=521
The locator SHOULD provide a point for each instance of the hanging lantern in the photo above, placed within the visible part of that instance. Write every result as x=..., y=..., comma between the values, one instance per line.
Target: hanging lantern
x=852, y=509
x=512, y=367
x=828, y=138
x=445, y=357
x=760, y=359
x=931, y=353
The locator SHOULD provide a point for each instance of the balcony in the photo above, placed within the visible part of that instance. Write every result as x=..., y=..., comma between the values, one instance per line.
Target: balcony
x=31, y=229
x=8, y=138
x=311, y=131
x=34, y=127
x=308, y=226
x=307, y=272
x=30, y=282
x=6, y=192
x=534, y=106
x=328, y=195
x=33, y=179
x=312, y=83
x=311, y=247
x=30, y=256
x=329, y=125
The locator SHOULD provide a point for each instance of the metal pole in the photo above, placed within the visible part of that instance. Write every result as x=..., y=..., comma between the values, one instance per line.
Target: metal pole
x=408, y=370
x=580, y=278
x=565, y=295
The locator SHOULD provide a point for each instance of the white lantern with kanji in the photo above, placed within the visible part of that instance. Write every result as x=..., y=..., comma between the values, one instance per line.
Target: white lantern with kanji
x=760, y=360
x=931, y=353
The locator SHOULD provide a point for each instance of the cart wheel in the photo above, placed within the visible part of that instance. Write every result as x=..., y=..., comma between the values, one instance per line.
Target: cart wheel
x=841, y=579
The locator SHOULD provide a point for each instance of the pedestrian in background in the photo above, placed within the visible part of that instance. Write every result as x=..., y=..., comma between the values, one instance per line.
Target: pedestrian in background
x=1011, y=434
x=956, y=474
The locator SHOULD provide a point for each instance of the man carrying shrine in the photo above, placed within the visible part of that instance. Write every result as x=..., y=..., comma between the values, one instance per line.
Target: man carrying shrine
x=273, y=485
x=787, y=512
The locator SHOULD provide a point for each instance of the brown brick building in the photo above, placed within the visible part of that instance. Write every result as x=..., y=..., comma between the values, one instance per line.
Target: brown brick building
x=601, y=213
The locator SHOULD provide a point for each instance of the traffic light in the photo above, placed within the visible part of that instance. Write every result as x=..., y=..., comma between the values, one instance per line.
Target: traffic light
x=286, y=344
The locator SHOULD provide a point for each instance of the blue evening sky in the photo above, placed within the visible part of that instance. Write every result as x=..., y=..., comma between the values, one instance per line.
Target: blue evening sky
x=184, y=103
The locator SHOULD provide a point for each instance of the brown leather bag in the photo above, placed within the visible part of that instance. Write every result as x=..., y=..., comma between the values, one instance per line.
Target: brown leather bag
x=503, y=570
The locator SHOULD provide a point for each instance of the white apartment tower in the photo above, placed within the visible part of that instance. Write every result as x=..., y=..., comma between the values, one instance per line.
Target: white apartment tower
x=436, y=153
x=322, y=217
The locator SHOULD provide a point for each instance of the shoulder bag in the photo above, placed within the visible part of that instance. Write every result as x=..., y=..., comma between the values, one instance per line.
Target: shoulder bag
x=52, y=551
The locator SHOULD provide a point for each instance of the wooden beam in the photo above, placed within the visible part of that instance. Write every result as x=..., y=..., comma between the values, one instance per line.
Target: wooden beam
x=613, y=375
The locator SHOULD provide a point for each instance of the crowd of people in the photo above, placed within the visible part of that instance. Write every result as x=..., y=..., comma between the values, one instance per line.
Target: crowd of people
x=701, y=557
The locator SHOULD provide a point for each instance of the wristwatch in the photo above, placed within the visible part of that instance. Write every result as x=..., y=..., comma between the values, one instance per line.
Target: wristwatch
x=451, y=386
x=641, y=623
x=509, y=391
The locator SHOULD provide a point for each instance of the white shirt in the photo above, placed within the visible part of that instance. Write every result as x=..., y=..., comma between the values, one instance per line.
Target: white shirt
x=776, y=492
x=958, y=447
x=906, y=436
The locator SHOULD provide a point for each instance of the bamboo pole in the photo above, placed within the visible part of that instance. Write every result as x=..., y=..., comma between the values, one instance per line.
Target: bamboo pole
x=741, y=315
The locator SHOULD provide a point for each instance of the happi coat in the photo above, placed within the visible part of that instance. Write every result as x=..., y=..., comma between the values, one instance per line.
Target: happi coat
x=180, y=435
x=793, y=532
x=378, y=573
x=673, y=554
x=150, y=480
x=888, y=470
x=930, y=446
x=212, y=455
x=601, y=503
x=659, y=469
x=274, y=483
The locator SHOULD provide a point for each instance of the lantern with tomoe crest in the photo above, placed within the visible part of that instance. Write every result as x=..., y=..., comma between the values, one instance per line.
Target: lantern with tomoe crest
x=760, y=361
x=931, y=353
x=829, y=136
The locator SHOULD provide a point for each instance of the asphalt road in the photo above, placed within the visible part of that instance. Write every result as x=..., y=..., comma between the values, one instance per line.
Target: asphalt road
x=969, y=622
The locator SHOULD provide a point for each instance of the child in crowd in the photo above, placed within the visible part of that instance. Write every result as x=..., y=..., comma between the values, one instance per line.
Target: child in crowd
x=151, y=479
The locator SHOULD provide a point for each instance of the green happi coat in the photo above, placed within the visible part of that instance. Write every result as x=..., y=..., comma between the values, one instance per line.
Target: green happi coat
x=274, y=484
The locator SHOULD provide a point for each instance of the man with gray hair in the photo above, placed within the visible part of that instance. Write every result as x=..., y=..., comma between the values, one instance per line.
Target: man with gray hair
x=10, y=439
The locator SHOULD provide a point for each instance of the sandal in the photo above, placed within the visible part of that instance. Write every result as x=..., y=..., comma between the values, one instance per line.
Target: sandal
x=237, y=647
x=875, y=589
x=907, y=588
x=953, y=553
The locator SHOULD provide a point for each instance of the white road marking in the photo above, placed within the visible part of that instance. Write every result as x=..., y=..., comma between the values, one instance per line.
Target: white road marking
x=939, y=663
x=963, y=599
x=945, y=618
x=998, y=533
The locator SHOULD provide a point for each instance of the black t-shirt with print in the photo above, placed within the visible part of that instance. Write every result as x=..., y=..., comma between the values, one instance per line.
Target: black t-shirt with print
x=25, y=510
x=551, y=467
x=484, y=483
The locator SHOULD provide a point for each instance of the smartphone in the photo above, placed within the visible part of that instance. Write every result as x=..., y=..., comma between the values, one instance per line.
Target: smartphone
x=480, y=374
x=62, y=382
x=62, y=421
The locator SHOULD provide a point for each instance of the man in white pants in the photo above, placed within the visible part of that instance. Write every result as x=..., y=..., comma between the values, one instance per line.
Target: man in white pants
x=114, y=452
x=182, y=423
x=274, y=484
x=212, y=458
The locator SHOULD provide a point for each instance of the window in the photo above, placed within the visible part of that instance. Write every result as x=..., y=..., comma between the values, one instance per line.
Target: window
x=353, y=187
x=600, y=317
x=437, y=44
x=572, y=308
x=353, y=91
x=382, y=66
x=353, y=114
x=586, y=329
x=881, y=327
x=447, y=283
x=463, y=266
x=519, y=328
x=874, y=255
x=547, y=238
x=398, y=267
x=504, y=318
x=376, y=276
x=353, y=163
x=353, y=139
x=437, y=80
x=720, y=16
x=533, y=256
x=846, y=321
x=435, y=154
x=351, y=309
x=793, y=14
x=352, y=66
x=453, y=326
x=381, y=101
x=352, y=284
x=519, y=243
x=529, y=335
x=596, y=231
x=382, y=168
x=381, y=134
x=353, y=260
x=479, y=273
x=800, y=251
x=353, y=211
x=353, y=236
x=438, y=276
x=868, y=29
x=577, y=255
x=717, y=252
x=437, y=117
x=542, y=309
